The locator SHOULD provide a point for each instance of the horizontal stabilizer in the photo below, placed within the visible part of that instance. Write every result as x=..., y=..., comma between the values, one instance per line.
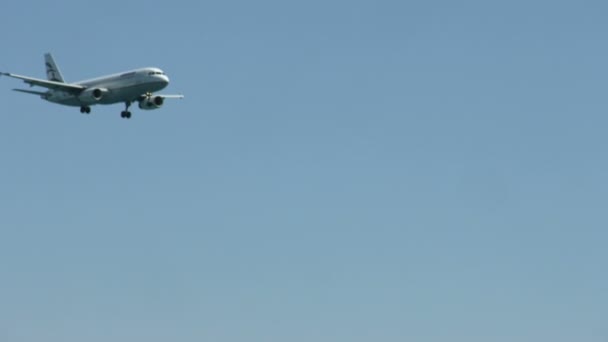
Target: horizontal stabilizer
x=41, y=93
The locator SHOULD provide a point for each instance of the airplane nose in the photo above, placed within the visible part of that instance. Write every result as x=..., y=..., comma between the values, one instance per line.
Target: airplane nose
x=164, y=79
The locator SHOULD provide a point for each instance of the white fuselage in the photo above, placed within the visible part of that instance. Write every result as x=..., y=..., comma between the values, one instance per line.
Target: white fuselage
x=124, y=87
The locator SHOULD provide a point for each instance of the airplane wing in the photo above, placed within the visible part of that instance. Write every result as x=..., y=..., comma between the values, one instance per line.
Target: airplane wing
x=170, y=96
x=154, y=101
x=70, y=88
x=163, y=96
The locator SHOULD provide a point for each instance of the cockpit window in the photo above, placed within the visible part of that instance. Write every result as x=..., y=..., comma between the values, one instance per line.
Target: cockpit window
x=155, y=73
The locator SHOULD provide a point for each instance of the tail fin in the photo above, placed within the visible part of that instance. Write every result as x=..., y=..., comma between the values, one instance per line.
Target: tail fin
x=52, y=71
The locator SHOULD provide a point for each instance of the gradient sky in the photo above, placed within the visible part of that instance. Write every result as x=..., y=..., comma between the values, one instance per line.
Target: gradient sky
x=338, y=171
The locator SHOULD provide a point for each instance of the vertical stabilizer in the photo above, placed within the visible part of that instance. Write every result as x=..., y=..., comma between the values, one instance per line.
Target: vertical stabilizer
x=52, y=71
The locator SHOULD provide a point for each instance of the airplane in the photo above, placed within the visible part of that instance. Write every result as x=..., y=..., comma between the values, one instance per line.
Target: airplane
x=127, y=87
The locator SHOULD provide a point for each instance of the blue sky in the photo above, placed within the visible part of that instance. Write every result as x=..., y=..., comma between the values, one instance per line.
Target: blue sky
x=338, y=171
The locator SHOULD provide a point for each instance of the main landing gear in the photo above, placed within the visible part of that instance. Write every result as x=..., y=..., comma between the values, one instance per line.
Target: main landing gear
x=125, y=114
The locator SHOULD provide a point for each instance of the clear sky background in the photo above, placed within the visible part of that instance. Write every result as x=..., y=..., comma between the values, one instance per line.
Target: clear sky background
x=338, y=171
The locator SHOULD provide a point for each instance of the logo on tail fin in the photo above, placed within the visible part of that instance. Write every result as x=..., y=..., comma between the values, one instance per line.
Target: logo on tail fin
x=52, y=73
x=52, y=70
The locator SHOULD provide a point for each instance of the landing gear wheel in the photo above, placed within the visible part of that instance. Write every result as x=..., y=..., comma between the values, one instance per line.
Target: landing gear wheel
x=85, y=109
x=125, y=114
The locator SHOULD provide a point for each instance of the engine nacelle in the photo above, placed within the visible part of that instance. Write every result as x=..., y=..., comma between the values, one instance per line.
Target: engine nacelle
x=92, y=95
x=151, y=102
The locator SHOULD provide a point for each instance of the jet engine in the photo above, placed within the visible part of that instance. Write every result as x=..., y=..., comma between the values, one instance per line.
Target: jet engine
x=92, y=95
x=151, y=102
